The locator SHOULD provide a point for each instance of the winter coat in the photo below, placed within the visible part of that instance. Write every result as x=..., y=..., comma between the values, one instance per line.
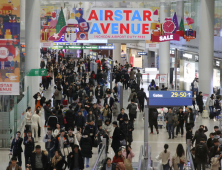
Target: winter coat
x=86, y=146
x=108, y=128
x=78, y=136
x=59, y=94
x=70, y=118
x=60, y=118
x=41, y=100
x=116, y=139
x=44, y=159
x=58, y=163
x=177, y=159
x=80, y=121
x=17, y=167
x=123, y=116
x=215, y=164
x=113, y=166
x=71, y=160
x=28, y=117
x=199, y=136
x=106, y=112
x=201, y=158
x=90, y=117
x=116, y=108
x=52, y=121
x=132, y=73
x=125, y=129
x=131, y=96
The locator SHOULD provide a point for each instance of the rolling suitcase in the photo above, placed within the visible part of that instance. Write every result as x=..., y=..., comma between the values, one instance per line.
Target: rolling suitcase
x=205, y=114
x=65, y=103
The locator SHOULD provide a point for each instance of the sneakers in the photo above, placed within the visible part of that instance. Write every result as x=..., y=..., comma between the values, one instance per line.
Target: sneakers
x=151, y=132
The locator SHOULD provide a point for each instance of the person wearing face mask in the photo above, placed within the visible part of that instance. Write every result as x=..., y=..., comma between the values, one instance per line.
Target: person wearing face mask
x=127, y=129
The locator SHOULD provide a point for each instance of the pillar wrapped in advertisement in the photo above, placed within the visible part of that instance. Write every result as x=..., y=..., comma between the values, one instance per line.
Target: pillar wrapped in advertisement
x=9, y=47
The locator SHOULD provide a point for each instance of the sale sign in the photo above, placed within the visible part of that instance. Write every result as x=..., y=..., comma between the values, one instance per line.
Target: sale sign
x=163, y=38
x=120, y=23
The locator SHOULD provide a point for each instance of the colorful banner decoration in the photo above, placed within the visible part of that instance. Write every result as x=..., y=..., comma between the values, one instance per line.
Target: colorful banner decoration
x=9, y=47
x=120, y=23
x=169, y=30
x=82, y=47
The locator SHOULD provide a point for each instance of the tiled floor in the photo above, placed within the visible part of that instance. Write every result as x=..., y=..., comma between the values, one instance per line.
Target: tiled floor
x=156, y=141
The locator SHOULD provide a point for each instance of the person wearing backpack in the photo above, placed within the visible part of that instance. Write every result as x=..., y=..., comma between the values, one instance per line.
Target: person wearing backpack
x=153, y=115
x=201, y=154
x=132, y=111
x=170, y=121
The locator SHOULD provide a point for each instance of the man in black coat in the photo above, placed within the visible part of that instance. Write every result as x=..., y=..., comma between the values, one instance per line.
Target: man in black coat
x=65, y=89
x=70, y=117
x=126, y=80
x=127, y=129
x=39, y=159
x=198, y=137
x=29, y=146
x=109, y=100
x=99, y=92
x=153, y=115
x=47, y=112
x=91, y=129
x=141, y=95
x=201, y=154
x=189, y=118
x=122, y=116
x=16, y=148
x=80, y=120
x=97, y=114
x=200, y=102
x=53, y=120
x=116, y=137
x=72, y=159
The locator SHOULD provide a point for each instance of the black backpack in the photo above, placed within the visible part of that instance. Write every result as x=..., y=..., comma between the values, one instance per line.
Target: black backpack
x=200, y=151
x=155, y=115
x=133, y=108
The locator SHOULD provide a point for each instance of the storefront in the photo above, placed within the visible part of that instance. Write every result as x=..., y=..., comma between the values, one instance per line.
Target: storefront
x=216, y=75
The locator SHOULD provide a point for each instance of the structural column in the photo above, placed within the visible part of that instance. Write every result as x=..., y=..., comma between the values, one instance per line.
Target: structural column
x=206, y=46
x=164, y=50
x=86, y=51
x=32, y=42
x=180, y=10
x=117, y=52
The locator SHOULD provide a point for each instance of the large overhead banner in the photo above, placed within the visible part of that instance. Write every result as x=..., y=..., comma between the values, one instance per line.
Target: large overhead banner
x=9, y=47
x=120, y=23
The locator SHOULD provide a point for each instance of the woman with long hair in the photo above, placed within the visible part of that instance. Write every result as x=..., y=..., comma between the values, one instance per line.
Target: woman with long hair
x=118, y=159
x=58, y=163
x=179, y=157
x=128, y=153
x=165, y=157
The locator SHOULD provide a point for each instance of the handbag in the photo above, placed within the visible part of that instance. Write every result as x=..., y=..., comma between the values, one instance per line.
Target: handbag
x=123, y=142
x=65, y=121
x=66, y=151
x=128, y=164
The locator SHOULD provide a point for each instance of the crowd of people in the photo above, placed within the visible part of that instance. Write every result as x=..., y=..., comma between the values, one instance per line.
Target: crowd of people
x=81, y=114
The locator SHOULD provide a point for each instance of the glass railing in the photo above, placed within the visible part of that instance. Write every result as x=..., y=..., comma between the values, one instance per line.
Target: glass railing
x=140, y=158
x=190, y=165
x=100, y=161
x=149, y=161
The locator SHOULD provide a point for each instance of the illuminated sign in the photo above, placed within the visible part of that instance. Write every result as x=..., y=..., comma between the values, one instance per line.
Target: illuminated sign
x=170, y=98
x=186, y=55
x=141, y=53
x=80, y=47
x=120, y=23
x=163, y=38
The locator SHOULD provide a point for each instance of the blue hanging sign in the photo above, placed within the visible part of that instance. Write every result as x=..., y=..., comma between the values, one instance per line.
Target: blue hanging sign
x=170, y=98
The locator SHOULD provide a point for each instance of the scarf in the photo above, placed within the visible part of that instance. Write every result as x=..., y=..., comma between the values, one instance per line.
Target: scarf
x=55, y=161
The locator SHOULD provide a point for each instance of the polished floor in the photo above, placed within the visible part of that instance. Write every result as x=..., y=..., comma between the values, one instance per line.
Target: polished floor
x=156, y=141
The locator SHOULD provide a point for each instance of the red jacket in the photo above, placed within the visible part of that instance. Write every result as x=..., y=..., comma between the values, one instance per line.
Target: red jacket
x=116, y=160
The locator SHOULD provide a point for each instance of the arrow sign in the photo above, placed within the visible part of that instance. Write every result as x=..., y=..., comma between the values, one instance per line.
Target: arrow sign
x=189, y=94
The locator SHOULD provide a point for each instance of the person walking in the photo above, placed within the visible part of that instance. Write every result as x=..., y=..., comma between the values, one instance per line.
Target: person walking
x=35, y=124
x=127, y=129
x=181, y=121
x=199, y=136
x=47, y=112
x=165, y=157
x=171, y=121
x=138, y=77
x=70, y=117
x=196, y=85
x=179, y=158
x=141, y=95
x=189, y=118
x=218, y=106
x=116, y=137
x=122, y=116
x=49, y=141
x=116, y=109
x=16, y=148
x=201, y=154
x=211, y=103
x=39, y=159
x=153, y=115
x=58, y=96
x=200, y=102
x=28, y=118
x=86, y=148
x=128, y=153
x=75, y=161
x=29, y=147
x=132, y=111
x=53, y=120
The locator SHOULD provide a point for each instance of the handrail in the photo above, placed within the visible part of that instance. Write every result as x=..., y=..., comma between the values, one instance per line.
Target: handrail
x=149, y=165
x=140, y=157
x=190, y=158
x=97, y=160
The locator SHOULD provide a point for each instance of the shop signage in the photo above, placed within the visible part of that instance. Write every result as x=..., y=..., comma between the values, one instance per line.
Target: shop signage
x=120, y=23
x=46, y=44
x=141, y=53
x=218, y=63
x=80, y=47
x=186, y=55
x=163, y=38
x=170, y=98
x=37, y=72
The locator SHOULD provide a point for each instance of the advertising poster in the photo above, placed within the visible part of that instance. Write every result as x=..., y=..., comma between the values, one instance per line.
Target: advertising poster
x=189, y=71
x=9, y=47
x=163, y=78
x=216, y=78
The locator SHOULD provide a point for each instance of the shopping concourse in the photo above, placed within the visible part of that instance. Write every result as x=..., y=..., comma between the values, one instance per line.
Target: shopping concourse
x=121, y=85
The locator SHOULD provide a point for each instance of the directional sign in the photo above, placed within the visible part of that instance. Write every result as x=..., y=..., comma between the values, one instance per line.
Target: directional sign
x=141, y=53
x=37, y=72
x=170, y=98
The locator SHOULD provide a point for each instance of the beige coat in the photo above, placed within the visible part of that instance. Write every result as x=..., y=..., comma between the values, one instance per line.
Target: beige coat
x=132, y=73
x=215, y=164
x=131, y=96
x=59, y=96
x=28, y=117
x=176, y=161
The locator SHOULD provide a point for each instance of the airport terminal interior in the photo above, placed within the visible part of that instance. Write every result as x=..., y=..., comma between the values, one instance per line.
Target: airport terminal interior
x=110, y=85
